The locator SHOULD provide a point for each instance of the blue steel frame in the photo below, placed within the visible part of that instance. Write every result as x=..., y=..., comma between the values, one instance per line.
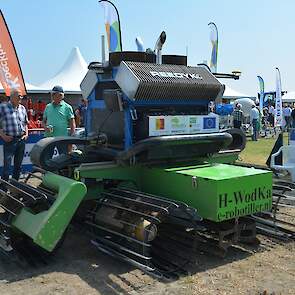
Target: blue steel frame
x=129, y=106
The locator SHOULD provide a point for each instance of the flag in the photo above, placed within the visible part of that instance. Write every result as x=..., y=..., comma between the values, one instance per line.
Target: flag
x=112, y=23
x=214, y=42
x=261, y=87
x=11, y=76
x=209, y=122
x=139, y=44
x=279, y=107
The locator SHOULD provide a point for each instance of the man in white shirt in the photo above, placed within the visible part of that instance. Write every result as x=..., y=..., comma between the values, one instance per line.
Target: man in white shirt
x=254, y=117
x=271, y=112
x=287, y=116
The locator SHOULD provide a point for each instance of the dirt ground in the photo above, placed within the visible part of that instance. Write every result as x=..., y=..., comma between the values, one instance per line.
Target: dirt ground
x=78, y=268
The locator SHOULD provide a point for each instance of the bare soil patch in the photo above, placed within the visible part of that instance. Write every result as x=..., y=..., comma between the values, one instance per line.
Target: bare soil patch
x=78, y=268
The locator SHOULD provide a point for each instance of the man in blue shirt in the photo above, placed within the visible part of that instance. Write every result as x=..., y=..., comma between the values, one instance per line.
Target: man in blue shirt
x=14, y=132
x=81, y=113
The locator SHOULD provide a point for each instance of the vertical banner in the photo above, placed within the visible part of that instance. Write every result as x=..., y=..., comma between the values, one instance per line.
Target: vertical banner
x=113, y=27
x=279, y=107
x=214, y=42
x=11, y=76
x=261, y=89
x=139, y=44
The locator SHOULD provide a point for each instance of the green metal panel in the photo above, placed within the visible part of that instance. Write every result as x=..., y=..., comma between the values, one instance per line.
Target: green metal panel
x=98, y=172
x=219, y=192
x=46, y=228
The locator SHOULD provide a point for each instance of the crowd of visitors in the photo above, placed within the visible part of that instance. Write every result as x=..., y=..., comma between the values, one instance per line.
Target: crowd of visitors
x=265, y=119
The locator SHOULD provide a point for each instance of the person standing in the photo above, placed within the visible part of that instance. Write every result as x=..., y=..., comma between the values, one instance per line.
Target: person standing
x=254, y=117
x=271, y=113
x=81, y=113
x=238, y=116
x=58, y=116
x=287, y=111
x=264, y=117
x=3, y=99
x=14, y=132
x=293, y=117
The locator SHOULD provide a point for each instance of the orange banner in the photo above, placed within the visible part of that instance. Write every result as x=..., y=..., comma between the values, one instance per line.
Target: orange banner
x=11, y=76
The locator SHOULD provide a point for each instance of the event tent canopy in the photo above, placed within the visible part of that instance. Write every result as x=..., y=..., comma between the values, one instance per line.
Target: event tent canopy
x=289, y=97
x=70, y=75
x=230, y=93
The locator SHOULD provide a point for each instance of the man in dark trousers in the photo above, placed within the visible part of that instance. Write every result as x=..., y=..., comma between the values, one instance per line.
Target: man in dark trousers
x=238, y=116
x=14, y=132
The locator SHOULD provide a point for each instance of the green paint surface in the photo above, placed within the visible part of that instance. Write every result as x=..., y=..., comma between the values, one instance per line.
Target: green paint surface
x=221, y=171
x=218, y=192
x=46, y=228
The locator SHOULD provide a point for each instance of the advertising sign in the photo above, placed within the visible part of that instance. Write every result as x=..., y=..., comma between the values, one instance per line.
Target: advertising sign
x=11, y=76
x=188, y=124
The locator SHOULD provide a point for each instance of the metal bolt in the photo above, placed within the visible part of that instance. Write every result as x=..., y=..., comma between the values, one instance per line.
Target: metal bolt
x=194, y=182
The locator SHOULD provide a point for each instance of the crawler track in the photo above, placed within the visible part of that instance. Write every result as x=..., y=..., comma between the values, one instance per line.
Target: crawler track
x=14, y=246
x=280, y=221
x=155, y=234
x=158, y=235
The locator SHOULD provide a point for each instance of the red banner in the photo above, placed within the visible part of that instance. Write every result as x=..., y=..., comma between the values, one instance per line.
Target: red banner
x=11, y=76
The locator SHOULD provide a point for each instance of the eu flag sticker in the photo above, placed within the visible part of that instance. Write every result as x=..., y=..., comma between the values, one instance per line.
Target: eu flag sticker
x=209, y=123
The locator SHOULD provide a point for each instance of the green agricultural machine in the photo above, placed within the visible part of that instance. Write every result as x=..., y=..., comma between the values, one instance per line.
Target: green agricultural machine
x=152, y=182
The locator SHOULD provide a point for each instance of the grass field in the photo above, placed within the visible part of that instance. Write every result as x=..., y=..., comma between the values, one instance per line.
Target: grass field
x=257, y=152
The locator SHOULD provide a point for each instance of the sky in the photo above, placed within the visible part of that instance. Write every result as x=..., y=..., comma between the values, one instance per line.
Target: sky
x=255, y=36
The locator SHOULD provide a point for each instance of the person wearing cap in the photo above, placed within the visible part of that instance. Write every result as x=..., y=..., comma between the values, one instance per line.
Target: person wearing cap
x=58, y=116
x=14, y=132
x=238, y=116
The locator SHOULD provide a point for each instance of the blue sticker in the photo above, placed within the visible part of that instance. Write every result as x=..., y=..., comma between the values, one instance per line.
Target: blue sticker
x=209, y=123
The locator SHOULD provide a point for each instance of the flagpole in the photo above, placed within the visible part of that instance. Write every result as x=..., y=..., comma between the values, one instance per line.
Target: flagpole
x=212, y=23
x=216, y=49
x=279, y=107
x=261, y=86
x=118, y=20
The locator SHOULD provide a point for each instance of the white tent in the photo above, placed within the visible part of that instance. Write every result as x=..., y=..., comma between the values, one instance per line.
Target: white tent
x=289, y=97
x=70, y=75
x=29, y=87
x=233, y=94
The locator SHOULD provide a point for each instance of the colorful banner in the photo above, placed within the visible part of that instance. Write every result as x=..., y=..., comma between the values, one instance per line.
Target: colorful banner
x=278, y=107
x=112, y=23
x=261, y=88
x=214, y=42
x=187, y=124
x=11, y=76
